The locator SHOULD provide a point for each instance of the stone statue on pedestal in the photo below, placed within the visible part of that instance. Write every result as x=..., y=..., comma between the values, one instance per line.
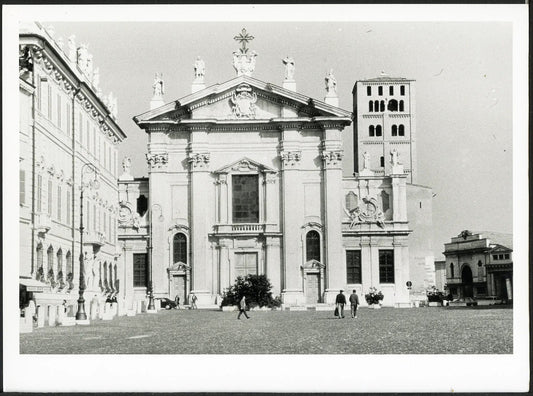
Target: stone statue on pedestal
x=199, y=69
x=96, y=78
x=158, y=85
x=394, y=157
x=126, y=165
x=366, y=160
x=71, y=53
x=89, y=67
x=289, y=68
x=331, y=84
x=82, y=57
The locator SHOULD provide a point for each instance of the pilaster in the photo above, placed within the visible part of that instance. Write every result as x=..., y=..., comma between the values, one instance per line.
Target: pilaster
x=199, y=178
x=292, y=216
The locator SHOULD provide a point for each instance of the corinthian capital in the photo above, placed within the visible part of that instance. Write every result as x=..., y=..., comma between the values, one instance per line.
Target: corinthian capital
x=157, y=161
x=199, y=161
x=290, y=159
x=332, y=158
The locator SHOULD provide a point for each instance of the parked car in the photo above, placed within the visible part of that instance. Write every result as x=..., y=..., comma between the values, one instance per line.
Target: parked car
x=167, y=303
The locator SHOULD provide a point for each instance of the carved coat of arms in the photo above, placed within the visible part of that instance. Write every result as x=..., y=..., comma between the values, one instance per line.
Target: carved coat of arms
x=243, y=102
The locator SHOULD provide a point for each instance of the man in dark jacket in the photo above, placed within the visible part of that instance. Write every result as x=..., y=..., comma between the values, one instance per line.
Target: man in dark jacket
x=354, y=302
x=340, y=301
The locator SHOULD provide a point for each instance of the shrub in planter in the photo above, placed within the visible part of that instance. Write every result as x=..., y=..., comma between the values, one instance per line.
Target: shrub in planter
x=256, y=288
x=373, y=296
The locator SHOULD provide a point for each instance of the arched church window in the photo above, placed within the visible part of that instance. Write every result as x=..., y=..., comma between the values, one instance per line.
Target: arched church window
x=179, y=246
x=401, y=105
x=380, y=91
x=312, y=246
x=401, y=130
x=142, y=205
x=391, y=90
x=402, y=90
x=370, y=106
x=369, y=90
x=394, y=131
x=371, y=129
x=385, y=201
x=50, y=263
x=376, y=105
x=382, y=105
x=60, y=267
x=392, y=105
x=382, y=161
x=378, y=130
x=452, y=275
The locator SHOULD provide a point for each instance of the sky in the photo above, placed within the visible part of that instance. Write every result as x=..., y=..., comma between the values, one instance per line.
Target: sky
x=463, y=73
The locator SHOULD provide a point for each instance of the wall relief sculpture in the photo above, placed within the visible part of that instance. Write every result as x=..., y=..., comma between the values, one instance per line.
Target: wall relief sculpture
x=366, y=213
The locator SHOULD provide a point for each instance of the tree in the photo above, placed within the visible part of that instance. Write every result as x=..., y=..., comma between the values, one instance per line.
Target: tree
x=256, y=288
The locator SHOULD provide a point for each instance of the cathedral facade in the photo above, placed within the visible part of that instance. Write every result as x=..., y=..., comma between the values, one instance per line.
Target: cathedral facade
x=245, y=177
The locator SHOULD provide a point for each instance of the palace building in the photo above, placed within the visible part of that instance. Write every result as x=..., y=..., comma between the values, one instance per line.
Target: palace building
x=245, y=177
x=68, y=143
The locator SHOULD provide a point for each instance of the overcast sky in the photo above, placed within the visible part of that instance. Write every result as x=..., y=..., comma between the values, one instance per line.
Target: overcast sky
x=463, y=91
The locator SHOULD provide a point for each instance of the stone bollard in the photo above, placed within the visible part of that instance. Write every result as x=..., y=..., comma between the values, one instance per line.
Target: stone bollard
x=40, y=316
x=51, y=315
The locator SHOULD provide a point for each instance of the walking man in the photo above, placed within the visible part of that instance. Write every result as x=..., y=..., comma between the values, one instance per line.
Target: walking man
x=340, y=301
x=193, y=302
x=177, y=301
x=242, y=308
x=354, y=302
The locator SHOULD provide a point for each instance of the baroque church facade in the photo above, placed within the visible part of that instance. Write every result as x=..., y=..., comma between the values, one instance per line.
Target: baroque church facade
x=245, y=177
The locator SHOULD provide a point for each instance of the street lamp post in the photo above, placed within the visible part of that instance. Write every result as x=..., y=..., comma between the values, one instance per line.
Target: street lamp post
x=151, y=305
x=80, y=314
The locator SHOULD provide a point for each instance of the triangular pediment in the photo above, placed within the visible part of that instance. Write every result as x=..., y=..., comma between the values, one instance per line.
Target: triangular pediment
x=243, y=99
x=245, y=164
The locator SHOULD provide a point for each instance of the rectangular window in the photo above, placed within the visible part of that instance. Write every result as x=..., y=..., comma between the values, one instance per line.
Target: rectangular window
x=87, y=133
x=391, y=90
x=50, y=197
x=386, y=266
x=380, y=91
x=139, y=270
x=382, y=161
x=245, y=198
x=353, y=266
x=59, y=203
x=402, y=90
x=507, y=256
x=39, y=193
x=58, y=105
x=49, y=103
x=67, y=119
x=39, y=97
x=495, y=257
x=68, y=207
x=369, y=90
x=22, y=187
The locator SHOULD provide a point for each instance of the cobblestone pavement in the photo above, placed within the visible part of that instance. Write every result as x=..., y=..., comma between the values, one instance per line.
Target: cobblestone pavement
x=384, y=331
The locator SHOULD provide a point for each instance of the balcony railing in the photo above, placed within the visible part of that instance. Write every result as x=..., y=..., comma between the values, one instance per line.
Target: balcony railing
x=94, y=238
x=43, y=222
x=244, y=228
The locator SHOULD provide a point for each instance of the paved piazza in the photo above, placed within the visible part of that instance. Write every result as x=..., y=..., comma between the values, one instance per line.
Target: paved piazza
x=383, y=331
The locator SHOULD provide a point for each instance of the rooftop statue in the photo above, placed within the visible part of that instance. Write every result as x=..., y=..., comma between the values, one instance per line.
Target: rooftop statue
x=71, y=53
x=331, y=84
x=158, y=85
x=289, y=68
x=199, y=69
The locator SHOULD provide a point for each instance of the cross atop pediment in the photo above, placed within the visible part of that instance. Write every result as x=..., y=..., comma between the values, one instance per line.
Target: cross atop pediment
x=243, y=37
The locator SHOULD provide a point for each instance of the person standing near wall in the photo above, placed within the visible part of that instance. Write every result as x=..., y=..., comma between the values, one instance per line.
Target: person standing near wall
x=340, y=301
x=354, y=302
x=242, y=308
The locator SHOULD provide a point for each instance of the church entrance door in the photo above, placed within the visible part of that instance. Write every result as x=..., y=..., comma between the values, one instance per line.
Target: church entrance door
x=312, y=287
x=467, y=279
x=178, y=287
x=245, y=263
